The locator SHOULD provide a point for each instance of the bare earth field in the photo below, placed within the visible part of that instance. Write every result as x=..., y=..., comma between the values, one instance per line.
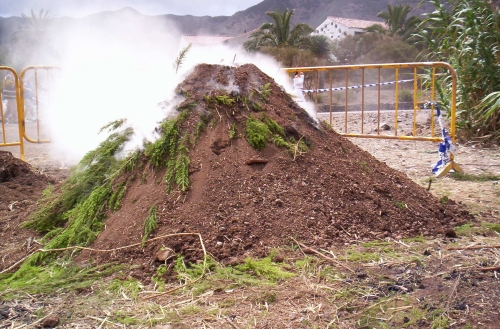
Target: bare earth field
x=448, y=281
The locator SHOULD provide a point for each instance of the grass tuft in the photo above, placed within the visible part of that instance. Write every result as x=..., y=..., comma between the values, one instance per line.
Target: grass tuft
x=265, y=267
x=475, y=178
x=32, y=279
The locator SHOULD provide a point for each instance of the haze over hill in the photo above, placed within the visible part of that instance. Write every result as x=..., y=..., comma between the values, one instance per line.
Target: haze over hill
x=312, y=12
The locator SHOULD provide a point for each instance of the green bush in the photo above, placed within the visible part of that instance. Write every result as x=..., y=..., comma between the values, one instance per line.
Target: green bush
x=405, y=95
x=257, y=133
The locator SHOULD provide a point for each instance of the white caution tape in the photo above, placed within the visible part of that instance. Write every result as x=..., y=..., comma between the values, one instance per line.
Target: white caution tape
x=356, y=87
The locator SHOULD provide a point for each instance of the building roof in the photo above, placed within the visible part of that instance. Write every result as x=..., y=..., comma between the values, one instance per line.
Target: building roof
x=355, y=23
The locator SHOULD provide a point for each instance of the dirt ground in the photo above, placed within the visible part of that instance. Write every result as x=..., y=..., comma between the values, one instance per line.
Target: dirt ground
x=336, y=197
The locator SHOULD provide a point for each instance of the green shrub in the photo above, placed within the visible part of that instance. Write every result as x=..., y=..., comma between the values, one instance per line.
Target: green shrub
x=257, y=133
x=150, y=224
x=405, y=95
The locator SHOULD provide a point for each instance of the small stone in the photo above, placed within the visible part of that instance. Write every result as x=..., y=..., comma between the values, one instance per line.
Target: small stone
x=361, y=275
x=219, y=244
x=222, y=228
x=385, y=126
x=50, y=321
x=232, y=261
x=163, y=255
x=450, y=233
x=278, y=259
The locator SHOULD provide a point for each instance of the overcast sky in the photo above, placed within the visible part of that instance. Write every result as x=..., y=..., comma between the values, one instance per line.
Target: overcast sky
x=80, y=8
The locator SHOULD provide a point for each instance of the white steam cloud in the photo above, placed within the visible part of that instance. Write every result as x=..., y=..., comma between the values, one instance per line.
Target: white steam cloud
x=113, y=70
x=225, y=55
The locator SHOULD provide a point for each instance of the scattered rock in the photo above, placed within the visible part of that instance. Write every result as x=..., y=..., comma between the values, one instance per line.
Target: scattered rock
x=385, y=126
x=361, y=275
x=50, y=321
x=164, y=254
x=278, y=258
x=450, y=233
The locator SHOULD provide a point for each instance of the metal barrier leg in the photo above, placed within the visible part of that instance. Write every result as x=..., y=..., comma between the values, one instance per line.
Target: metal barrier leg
x=452, y=165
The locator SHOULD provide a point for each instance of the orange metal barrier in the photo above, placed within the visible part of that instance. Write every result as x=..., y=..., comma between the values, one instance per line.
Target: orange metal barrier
x=362, y=83
x=9, y=134
x=38, y=79
x=340, y=83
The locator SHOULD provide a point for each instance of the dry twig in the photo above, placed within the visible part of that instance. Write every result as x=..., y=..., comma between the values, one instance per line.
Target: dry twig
x=326, y=257
x=452, y=294
x=233, y=325
x=256, y=161
x=475, y=247
x=486, y=269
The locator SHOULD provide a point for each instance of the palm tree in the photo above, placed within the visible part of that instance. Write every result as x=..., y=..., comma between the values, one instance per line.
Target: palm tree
x=33, y=38
x=279, y=34
x=37, y=25
x=321, y=46
x=39, y=22
x=377, y=28
x=396, y=18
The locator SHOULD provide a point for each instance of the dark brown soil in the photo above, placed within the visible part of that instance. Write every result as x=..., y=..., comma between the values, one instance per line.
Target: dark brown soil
x=20, y=188
x=245, y=201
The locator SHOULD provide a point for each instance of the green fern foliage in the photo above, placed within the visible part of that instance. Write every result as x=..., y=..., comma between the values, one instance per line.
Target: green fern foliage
x=257, y=133
x=117, y=197
x=165, y=147
x=150, y=224
x=261, y=131
x=182, y=168
x=274, y=127
x=93, y=171
x=74, y=214
x=171, y=151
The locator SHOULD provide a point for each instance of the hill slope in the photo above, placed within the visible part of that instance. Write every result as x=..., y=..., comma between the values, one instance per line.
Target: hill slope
x=312, y=12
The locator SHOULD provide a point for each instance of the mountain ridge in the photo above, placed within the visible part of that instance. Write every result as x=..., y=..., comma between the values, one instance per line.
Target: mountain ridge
x=312, y=12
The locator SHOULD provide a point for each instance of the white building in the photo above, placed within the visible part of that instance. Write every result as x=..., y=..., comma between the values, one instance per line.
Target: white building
x=337, y=28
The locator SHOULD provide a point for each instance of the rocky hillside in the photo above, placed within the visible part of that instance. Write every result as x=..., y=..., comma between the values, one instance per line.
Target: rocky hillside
x=312, y=12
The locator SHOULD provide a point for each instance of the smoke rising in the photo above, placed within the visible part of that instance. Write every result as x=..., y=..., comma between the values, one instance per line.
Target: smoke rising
x=111, y=70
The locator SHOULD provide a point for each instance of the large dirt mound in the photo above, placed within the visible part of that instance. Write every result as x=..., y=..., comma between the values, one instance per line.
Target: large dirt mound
x=245, y=201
